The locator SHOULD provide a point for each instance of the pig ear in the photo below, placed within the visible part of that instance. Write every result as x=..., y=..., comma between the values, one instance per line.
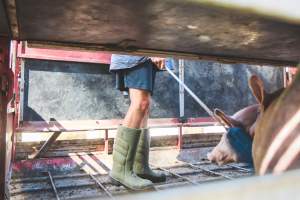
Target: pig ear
x=223, y=117
x=257, y=87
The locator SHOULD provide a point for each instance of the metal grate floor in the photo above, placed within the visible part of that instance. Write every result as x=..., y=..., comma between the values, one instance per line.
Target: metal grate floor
x=84, y=185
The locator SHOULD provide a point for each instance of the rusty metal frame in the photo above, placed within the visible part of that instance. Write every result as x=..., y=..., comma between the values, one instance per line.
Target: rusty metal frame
x=158, y=53
x=6, y=115
x=84, y=56
x=15, y=66
x=25, y=51
x=93, y=125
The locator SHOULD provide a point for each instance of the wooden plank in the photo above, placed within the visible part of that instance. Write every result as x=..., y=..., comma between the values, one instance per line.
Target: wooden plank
x=46, y=146
x=4, y=28
x=198, y=29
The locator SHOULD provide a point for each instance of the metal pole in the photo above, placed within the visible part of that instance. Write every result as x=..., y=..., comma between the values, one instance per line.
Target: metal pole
x=181, y=88
x=193, y=95
x=53, y=185
x=22, y=89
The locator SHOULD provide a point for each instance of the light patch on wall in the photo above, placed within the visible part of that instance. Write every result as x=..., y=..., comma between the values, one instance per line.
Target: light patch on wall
x=204, y=38
x=192, y=27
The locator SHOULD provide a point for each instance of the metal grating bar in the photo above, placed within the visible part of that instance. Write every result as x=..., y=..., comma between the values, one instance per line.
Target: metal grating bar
x=210, y=171
x=177, y=175
x=229, y=164
x=101, y=186
x=240, y=168
x=177, y=179
x=53, y=185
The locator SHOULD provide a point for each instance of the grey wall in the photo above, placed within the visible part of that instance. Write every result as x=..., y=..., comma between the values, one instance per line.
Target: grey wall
x=225, y=86
x=78, y=91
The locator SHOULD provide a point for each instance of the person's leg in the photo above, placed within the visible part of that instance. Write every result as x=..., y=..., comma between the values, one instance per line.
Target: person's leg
x=144, y=123
x=127, y=140
x=129, y=135
x=141, y=163
x=138, y=110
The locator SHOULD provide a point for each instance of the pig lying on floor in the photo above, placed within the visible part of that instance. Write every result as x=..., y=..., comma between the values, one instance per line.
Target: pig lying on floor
x=236, y=144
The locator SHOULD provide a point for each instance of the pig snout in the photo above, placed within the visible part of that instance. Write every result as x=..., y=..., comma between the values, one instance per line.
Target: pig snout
x=223, y=153
x=234, y=146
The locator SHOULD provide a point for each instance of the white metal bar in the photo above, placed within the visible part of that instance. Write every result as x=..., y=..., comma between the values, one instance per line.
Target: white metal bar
x=203, y=105
x=181, y=88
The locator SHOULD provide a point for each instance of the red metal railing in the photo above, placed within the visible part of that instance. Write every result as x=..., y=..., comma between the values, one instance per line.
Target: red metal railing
x=63, y=55
x=25, y=52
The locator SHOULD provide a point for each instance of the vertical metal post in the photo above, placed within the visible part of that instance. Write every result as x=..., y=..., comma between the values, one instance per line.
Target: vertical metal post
x=15, y=66
x=22, y=88
x=6, y=121
x=285, y=77
x=194, y=96
x=181, y=88
x=181, y=101
x=106, y=142
x=180, y=140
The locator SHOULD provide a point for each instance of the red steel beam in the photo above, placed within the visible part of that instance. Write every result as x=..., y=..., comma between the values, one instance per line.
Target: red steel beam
x=32, y=165
x=15, y=64
x=6, y=114
x=86, y=125
x=98, y=57
x=3, y=103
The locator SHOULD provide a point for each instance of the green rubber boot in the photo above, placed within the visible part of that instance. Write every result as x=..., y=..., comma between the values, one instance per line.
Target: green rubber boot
x=123, y=157
x=141, y=162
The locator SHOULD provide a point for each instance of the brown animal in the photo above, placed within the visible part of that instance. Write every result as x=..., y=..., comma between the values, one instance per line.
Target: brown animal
x=276, y=144
x=246, y=119
x=224, y=152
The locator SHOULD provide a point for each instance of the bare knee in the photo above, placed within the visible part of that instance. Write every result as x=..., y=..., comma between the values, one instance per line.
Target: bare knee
x=140, y=101
x=142, y=105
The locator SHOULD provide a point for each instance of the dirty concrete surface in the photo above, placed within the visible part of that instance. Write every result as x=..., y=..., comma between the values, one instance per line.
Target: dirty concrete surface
x=183, y=167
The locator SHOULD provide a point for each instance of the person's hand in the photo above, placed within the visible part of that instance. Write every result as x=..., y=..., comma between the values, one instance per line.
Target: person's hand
x=159, y=62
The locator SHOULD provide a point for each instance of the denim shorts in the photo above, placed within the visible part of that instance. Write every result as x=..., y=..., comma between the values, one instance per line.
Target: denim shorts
x=141, y=77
